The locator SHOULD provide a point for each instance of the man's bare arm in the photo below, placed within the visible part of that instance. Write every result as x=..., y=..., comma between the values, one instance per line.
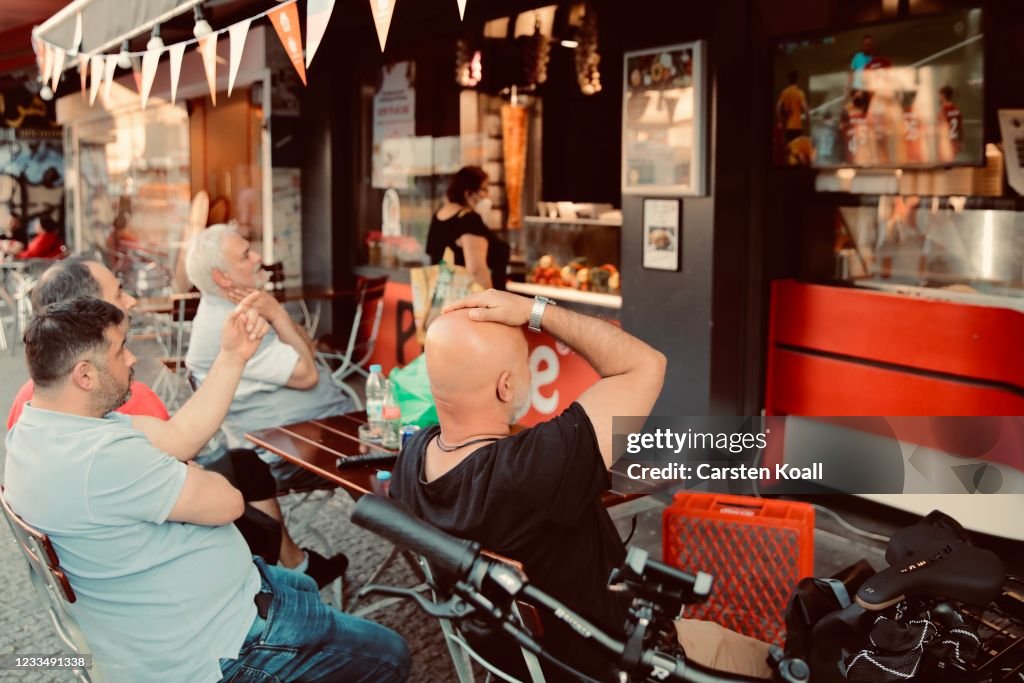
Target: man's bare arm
x=189, y=429
x=632, y=372
x=304, y=374
x=207, y=498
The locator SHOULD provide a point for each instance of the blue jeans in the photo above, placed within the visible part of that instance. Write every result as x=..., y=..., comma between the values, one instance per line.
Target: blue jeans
x=303, y=639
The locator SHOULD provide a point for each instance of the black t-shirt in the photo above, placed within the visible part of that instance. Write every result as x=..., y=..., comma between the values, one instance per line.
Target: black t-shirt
x=535, y=497
x=443, y=234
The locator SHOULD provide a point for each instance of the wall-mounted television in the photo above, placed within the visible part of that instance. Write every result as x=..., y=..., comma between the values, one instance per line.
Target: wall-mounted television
x=904, y=94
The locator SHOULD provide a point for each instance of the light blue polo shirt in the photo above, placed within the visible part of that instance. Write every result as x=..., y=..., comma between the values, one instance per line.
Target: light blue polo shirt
x=157, y=600
x=262, y=400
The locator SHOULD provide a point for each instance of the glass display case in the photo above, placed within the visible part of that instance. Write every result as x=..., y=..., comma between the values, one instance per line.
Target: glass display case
x=572, y=259
x=950, y=248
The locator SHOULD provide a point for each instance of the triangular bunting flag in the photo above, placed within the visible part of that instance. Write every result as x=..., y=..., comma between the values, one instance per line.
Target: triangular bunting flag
x=137, y=74
x=47, y=63
x=96, y=72
x=177, y=51
x=318, y=14
x=76, y=42
x=208, y=51
x=236, y=34
x=382, y=11
x=286, y=22
x=108, y=75
x=462, y=9
x=38, y=48
x=150, y=61
x=83, y=71
x=58, y=67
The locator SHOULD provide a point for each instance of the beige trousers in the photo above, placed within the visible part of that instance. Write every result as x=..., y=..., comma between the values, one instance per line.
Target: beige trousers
x=712, y=645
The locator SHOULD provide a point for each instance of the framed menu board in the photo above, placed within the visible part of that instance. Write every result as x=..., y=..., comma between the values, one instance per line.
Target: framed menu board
x=664, y=120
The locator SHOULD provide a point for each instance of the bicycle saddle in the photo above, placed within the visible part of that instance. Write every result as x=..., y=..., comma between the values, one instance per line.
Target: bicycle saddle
x=942, y=568
x=930, y=532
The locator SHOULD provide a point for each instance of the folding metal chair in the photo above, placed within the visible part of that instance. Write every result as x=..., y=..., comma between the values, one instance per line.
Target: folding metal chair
x=463, y=654
x=362, y=338
x=168, y=384
x=52, y=586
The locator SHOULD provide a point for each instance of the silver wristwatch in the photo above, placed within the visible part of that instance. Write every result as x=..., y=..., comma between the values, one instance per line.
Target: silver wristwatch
x=539, y=304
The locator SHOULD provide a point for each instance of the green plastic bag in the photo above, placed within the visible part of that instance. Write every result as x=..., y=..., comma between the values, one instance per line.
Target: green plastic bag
x=412, y=391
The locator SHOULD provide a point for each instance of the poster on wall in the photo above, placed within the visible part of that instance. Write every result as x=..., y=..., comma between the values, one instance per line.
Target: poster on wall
x=31, y=157
x=394, y=120
x=663, y=121
x=662, y=234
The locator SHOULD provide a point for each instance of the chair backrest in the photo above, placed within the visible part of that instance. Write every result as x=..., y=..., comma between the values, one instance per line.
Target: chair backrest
x=369, y=311
x=38, y=550
x=462, y=653
x=51, y=585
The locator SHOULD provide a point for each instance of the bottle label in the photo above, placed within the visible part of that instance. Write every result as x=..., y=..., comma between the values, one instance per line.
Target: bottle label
x=391, y=413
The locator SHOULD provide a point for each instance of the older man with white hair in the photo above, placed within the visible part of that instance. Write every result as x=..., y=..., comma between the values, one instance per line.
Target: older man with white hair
x=282, y=383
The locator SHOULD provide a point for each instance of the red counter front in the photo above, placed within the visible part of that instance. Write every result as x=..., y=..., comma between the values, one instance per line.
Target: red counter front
x=559, y=374
x=850, y=351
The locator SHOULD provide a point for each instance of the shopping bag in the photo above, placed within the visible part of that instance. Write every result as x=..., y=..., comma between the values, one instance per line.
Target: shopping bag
x=434, y=287
x=412, y=391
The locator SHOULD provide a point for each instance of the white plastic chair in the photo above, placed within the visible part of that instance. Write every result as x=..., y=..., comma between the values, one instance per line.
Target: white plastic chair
x=362, y=338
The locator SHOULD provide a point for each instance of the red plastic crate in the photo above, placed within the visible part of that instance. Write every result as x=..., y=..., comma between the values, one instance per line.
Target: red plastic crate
x=757, y=550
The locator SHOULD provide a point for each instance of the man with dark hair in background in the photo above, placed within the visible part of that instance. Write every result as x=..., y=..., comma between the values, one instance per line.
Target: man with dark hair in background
x=167, y=589
x=15, y=235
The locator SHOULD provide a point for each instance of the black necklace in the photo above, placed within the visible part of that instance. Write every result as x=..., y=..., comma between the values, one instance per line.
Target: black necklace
x=448, y=449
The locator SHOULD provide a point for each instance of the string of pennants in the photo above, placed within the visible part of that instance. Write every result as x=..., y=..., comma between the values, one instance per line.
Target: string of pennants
x=284, y=18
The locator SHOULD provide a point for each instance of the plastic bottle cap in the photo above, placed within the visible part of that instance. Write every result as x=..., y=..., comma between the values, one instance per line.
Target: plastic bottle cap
x=383, y=475
x=375, y=367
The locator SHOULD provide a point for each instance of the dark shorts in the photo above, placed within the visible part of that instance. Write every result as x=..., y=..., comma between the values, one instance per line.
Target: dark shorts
x=246, y=472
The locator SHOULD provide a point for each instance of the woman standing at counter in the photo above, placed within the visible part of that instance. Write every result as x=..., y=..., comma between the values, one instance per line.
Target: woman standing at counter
x=459, y=225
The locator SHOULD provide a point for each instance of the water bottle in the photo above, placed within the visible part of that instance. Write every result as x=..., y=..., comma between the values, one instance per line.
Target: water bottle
x=376, y=390
x=391, y=420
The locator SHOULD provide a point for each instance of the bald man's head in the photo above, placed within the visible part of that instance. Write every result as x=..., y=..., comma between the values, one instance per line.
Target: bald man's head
x=478, y=365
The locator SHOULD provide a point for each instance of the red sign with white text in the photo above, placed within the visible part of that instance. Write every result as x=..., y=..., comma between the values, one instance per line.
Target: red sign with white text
x=559, y=374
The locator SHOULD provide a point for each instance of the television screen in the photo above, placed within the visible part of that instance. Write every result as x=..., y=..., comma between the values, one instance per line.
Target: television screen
x=895, y=95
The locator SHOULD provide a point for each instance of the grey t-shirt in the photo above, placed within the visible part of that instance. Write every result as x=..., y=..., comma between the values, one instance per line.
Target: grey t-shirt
x=262, y=400
x=157, y=600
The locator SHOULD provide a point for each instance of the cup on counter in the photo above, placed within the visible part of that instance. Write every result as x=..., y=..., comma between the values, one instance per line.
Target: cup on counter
x=368, y=437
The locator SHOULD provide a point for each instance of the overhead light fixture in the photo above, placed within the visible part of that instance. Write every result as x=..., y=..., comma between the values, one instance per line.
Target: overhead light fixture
x=202, y=27
x=572, y=44
x=155, y=41
x=124, y=60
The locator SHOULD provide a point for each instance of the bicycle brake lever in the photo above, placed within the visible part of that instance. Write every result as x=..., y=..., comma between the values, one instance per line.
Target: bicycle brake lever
x=452, y=608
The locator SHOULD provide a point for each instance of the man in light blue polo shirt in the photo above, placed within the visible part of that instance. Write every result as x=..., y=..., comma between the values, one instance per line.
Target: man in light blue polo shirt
x=166, y=587
x=282, y=383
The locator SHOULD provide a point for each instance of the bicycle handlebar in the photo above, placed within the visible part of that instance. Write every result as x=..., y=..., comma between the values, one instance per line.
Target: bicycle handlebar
x=460, y=560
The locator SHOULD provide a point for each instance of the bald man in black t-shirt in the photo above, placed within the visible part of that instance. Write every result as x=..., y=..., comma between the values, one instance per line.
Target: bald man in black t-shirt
x=535, y=496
